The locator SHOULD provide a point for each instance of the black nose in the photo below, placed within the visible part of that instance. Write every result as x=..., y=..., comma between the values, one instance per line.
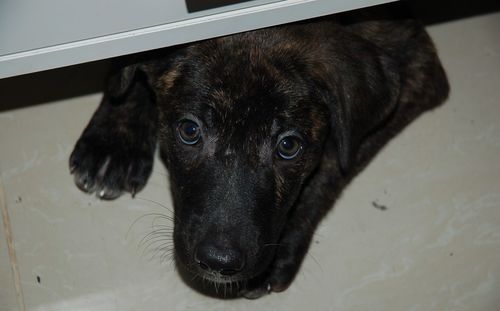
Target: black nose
x=223, y=260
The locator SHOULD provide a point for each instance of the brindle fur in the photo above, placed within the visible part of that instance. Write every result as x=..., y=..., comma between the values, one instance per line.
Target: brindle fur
x=347, y=84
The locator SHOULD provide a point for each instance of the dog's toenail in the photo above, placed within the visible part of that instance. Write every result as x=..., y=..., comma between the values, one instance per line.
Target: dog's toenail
x=102, y=193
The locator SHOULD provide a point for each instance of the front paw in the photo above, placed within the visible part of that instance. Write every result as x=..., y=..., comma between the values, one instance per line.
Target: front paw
x=109, y=167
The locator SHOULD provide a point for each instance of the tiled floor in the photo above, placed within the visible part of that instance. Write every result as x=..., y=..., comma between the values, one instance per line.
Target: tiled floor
x=435, y=247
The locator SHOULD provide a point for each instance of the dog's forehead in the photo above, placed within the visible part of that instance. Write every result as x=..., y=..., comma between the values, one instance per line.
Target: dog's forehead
x=250, y=113
x=256, y=107
x=252, y=97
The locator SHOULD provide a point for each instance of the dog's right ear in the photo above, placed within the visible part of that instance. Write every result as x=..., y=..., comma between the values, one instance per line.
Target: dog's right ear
x=146, y=67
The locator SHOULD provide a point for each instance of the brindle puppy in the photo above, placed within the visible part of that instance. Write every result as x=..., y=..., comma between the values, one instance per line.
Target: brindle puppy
x=260, y=132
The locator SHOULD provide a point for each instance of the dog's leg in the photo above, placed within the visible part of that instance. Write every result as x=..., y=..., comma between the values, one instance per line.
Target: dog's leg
x=115, y=152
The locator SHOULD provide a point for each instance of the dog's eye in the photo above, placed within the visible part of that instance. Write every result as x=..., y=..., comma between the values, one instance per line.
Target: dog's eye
x=289, y=147
x=189, y=132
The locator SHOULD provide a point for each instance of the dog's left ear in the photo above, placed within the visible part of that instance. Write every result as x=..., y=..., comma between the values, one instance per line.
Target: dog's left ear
x=361, y=85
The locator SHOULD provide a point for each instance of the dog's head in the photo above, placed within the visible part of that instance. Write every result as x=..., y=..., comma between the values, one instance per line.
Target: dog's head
x=244, y=124
x=241, y=132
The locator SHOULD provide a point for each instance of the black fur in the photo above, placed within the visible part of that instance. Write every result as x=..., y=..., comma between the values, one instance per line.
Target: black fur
x=342, y=85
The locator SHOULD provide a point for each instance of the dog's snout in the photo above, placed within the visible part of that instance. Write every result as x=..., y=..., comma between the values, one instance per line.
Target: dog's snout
x=223, y=260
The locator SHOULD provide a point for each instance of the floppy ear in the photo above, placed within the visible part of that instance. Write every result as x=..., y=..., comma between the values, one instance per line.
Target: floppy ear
x=362, y=92
x=147, y=67
x=121, y=78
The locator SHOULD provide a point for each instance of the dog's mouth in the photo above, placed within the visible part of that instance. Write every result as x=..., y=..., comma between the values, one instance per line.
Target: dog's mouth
x=217, y=284
x=219, y=277
x=212, y=283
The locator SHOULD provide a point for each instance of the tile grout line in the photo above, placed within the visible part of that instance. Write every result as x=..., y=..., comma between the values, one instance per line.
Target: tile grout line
x=12, y=252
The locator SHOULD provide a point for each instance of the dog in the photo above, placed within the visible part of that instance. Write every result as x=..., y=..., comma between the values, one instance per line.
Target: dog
x=260, y=132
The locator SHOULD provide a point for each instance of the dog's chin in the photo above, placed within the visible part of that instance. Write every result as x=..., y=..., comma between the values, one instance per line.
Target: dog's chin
x=216, y=285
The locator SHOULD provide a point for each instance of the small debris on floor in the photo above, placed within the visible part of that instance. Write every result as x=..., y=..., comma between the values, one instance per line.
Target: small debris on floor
x=379, y=206
x=19, y=199
x=38, y=279
x=451, y=254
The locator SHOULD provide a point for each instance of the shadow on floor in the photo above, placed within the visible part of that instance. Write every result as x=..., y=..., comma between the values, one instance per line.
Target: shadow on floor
x=52, y=85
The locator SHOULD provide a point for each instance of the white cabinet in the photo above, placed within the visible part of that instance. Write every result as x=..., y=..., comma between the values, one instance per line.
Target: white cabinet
x=39, y=35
